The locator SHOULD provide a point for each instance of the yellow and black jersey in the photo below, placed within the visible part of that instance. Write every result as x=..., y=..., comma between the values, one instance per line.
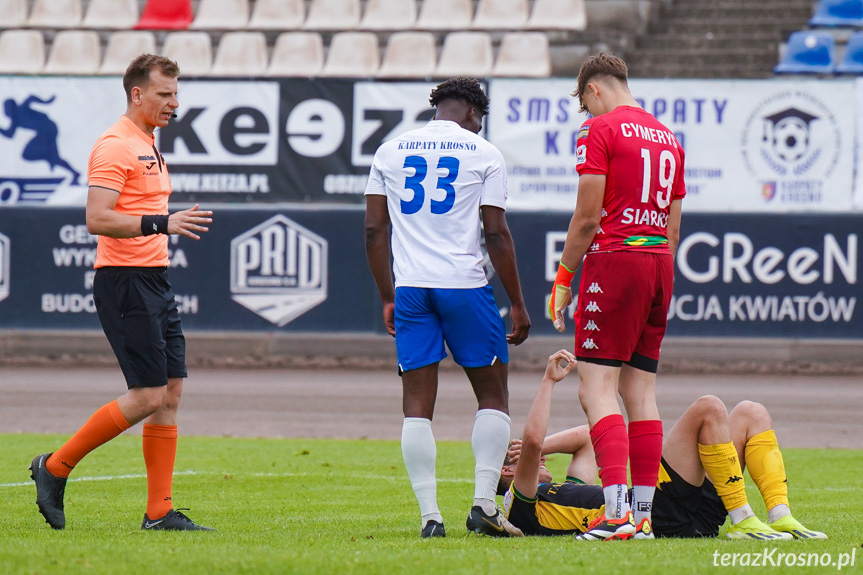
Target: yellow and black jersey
x=557, y=509
x=679, y=509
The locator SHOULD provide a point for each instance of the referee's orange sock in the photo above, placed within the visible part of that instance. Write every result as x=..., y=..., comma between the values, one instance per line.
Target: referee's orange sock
x=103, y=426
x=160, y=450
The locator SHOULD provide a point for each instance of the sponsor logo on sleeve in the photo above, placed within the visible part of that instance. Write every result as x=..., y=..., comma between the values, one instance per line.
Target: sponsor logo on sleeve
x=580, y=154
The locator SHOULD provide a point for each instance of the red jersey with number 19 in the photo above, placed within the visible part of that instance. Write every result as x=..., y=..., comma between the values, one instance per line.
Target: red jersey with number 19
x=643, y=165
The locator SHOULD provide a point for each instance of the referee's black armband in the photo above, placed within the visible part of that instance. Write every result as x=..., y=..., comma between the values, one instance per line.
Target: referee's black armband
x=154, y=225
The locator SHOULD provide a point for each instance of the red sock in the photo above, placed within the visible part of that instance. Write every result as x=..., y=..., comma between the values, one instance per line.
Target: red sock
x=645, y=451
x=611, y=446
x=160, y=450
x=104, y=425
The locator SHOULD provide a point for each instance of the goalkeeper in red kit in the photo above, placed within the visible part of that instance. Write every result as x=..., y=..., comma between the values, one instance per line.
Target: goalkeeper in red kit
x=626, y=223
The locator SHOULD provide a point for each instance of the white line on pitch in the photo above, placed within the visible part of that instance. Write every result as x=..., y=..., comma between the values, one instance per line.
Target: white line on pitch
x=100, y=478
x=191, y=472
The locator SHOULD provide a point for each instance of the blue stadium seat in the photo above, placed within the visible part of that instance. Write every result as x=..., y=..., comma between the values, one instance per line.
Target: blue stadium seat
x=808, y=53
x=852, y=63
x=838, y=13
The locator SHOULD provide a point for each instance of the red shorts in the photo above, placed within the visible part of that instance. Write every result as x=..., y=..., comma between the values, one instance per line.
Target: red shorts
x=623, y=304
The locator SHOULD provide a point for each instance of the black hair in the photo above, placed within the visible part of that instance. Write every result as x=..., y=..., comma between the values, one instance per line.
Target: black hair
x=465, y=89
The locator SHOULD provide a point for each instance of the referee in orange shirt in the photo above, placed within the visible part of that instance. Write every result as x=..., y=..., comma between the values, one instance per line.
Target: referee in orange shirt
x=127, y=208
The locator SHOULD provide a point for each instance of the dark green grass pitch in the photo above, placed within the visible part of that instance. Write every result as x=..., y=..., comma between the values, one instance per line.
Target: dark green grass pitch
x=323, y=506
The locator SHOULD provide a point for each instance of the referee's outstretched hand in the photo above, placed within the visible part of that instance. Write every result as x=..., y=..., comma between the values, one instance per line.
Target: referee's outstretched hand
x=187, y=222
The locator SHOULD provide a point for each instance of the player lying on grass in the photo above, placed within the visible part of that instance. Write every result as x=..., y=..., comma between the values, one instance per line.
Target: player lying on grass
x=700, y=479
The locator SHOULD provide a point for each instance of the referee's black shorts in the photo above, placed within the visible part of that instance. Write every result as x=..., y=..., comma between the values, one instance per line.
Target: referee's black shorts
x=139, y=316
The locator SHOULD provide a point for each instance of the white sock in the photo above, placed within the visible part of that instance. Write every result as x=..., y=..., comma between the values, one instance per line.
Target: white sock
x=487, y=505
x=741, y=513
x=642, y=502
x=490, y=441
x=616, y=504
x=432, y=517
x=777, y=512
x=419, y=453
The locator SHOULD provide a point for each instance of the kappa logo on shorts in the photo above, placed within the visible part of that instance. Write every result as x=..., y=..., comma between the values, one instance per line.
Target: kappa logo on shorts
x=594, y=247
x=279, y=270
x=591, y=326
x=4, y=267
x=589, y=344
x=594, y=288
x=591, y=306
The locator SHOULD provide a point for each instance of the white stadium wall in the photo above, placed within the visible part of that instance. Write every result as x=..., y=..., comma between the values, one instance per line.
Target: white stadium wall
x=769, y=242
x=752, y=146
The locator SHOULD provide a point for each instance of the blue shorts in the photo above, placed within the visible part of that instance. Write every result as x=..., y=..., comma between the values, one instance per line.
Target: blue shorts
x=466, y=319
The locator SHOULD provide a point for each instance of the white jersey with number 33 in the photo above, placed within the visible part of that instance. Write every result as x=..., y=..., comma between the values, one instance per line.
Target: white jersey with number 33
x=435, y=180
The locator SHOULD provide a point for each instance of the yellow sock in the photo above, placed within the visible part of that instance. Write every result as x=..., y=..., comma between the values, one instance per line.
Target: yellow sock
x=767, y=468
x=723, y=469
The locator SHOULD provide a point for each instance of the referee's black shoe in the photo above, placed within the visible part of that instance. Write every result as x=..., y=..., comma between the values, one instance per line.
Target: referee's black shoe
x=172, y=521
x=433, y=529
x=49, y=492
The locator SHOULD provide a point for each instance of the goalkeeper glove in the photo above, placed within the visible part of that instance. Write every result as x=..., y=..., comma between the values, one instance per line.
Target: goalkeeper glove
x=561, y=296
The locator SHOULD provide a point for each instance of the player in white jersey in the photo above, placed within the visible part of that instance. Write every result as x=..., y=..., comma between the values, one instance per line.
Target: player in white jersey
x=432, y=185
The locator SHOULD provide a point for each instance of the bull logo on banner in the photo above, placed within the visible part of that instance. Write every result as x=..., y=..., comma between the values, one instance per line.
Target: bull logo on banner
x=4, y=267
x=279, y=270
x=38, y=134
